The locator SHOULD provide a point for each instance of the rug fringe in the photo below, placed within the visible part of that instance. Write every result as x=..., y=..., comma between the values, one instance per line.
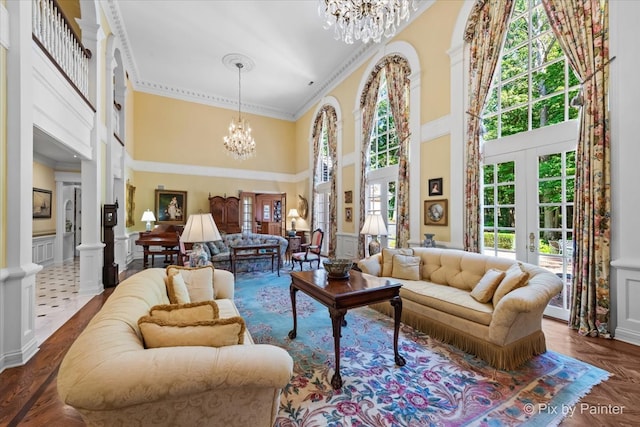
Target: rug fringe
x=501, y=357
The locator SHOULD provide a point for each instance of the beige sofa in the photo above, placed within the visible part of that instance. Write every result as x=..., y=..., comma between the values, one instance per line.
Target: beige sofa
x=112, y=379
x=440, y=304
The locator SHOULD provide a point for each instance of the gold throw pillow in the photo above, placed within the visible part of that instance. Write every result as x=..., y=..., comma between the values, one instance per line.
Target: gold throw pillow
x=211, y=333
x=406, y=267
x=486, y=287
x=514, y=278
x=198, y=280
x=192, y=312
x=387, y=259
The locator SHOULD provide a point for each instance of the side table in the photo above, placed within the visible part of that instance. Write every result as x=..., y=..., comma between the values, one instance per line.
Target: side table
x=294, y=246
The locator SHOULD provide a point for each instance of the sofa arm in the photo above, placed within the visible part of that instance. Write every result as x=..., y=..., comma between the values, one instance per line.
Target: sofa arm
x=152, y=375
x=371, y=265
x=519, y=313
x=223, y=284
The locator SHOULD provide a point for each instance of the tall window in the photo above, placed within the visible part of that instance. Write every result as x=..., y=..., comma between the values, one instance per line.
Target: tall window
x=533, y=84
x=323, y=184
x=382, y=175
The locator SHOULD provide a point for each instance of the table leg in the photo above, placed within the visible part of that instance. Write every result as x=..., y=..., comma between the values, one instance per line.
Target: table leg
x=337, y=318
x=292, y=292
x=145, y=260
x=279, y=260
x=396, y=302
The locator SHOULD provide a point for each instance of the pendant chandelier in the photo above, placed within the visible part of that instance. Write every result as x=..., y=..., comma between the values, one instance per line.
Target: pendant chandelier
x=239, y=143
x=364, y=19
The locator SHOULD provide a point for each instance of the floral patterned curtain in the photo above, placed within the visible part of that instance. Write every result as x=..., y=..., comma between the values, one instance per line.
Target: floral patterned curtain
x=582, y=29
x=485, y=31
x=315, y=135
x=397, y=71
x=332, y=131
x=368, y=101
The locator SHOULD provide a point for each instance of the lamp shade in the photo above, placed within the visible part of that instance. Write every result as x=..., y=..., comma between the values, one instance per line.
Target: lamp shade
x=293, y=213
x=148, y=216
x=200, y=228
x=374, y=225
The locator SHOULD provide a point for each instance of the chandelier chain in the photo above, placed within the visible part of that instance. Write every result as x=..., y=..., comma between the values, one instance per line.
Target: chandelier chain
x=239, y=143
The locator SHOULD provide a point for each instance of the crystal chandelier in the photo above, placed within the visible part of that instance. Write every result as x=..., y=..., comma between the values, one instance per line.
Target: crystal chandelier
x=239, y=143
x=364, y=19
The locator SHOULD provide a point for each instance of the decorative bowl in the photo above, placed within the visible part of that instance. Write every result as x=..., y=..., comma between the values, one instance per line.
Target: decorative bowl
x=338, y=268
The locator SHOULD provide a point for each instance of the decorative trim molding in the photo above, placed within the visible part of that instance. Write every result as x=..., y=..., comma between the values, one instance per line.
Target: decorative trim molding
x=4, y=27
x=436, y=128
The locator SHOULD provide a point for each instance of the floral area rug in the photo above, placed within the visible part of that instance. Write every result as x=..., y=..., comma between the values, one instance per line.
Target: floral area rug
x=439, y=385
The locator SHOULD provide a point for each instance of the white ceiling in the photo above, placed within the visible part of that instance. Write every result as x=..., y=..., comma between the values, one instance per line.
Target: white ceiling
x=176, y=48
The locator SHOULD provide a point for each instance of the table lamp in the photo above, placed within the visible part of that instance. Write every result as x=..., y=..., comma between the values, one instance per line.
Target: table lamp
x=200, y=228
x=293, y=214
x=374, y=226
x=148, y=216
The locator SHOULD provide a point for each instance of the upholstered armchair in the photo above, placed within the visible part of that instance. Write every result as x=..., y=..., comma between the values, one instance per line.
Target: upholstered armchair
x=309, y=251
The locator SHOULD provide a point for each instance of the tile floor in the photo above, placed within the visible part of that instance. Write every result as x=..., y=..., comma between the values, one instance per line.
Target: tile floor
x=57, y=298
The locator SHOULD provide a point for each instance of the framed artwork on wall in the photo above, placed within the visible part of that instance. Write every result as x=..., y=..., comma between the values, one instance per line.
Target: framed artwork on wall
x=435, y=187
x=41, y=203
x=348, y=214
x=130, y=205
x=348, y=196
x=435, y=212
x=171, y=207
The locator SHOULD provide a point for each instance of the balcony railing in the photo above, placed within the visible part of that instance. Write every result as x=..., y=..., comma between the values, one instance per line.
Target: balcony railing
x=52, y=32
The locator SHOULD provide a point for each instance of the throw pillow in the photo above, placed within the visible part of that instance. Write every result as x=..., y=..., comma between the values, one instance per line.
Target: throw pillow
x=370, y=265
x=213, y=248
x=221, y=246
x=177, y=289
x=211, y=333
x=486, y=287
x=406, y=267
x=193, y=312
x=514, y=278
x=387, y=259
x=199, y=282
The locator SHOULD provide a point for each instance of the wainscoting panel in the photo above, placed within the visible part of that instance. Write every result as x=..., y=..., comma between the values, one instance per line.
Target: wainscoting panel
x=347, y=246
x=628, y=310
x=42, y=249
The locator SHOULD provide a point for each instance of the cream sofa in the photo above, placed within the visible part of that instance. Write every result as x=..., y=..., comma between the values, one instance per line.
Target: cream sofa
x=440, y=304
x=111, y=379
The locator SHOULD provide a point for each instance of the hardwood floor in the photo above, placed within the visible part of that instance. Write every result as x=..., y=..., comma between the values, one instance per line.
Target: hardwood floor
x=28, y=395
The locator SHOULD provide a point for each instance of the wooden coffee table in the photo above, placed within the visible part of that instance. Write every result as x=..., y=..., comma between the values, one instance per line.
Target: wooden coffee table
x=339, y=295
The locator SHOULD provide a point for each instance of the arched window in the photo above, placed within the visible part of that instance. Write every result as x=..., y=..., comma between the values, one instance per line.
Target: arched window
x=385, y=166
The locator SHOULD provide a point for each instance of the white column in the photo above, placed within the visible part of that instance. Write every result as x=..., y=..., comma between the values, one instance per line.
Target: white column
x=457, y=145
x=17, y=289
x=58, y=252
x=91, y=248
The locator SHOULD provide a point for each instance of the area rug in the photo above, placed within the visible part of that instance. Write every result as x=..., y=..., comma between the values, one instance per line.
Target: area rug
x=439, y=385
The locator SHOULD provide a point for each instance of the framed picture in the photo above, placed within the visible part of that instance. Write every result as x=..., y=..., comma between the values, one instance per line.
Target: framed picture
x=435, y=212
x=435, y=187
x=171, y=207
x=348, y=196
x=130, y=205
x=41, y=203
x=348, y=214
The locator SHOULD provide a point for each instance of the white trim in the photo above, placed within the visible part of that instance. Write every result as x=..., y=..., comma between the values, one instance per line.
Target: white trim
x=4, y=27
x=181, y=169
x=436, y=128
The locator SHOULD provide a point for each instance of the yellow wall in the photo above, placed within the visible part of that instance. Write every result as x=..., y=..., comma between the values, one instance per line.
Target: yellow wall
x=198, y=189
x=44, y=178
x=174, y=131
x=435, y=161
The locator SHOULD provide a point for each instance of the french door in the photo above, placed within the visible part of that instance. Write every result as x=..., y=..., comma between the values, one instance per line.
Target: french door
x=527, y=211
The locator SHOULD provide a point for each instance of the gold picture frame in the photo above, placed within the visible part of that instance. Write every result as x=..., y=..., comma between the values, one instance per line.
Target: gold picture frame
x=348, y=196
x=348, y=214
x=171, y=207
x=130, y=205
x=436, y=212
x=41, y=203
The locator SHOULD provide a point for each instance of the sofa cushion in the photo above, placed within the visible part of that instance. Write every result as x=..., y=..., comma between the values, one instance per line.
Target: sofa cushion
x=514, y=278
x=204, y=310
x=387, y=259
x=177, y=289
x=486, y=287
x=406, y=267
x=199, y=281
x=371, y=265
x=211, y=333
x=213, y=249
x=447, y=299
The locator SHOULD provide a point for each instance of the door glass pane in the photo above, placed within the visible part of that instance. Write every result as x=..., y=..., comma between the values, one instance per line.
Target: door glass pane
x=555, y=209
x=499, y=209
